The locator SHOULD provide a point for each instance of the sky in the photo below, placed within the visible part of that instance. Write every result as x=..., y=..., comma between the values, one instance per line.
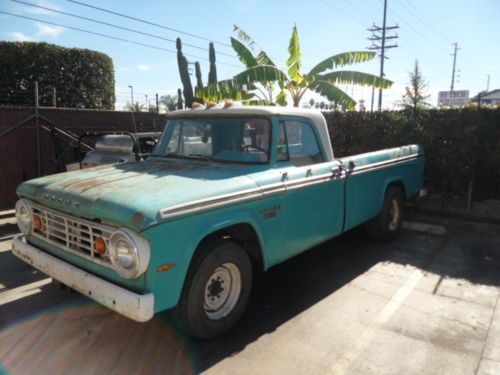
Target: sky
x=427, y=29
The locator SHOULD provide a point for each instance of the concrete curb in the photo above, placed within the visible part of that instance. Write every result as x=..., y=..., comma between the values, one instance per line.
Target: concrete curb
x=415, y=226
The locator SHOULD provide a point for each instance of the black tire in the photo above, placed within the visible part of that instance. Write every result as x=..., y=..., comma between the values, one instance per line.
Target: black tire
x=386, y=225
x=192, y=313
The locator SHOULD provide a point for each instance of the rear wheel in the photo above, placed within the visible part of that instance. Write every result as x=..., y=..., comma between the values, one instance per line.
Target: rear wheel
x=386, y=225
x=216, y=291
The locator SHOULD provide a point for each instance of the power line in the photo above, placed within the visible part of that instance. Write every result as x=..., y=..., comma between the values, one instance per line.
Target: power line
x=341, y=11
x=113, y=37
x=422, y=57
x=116, y=26
x=422, y=36
x=360, y=9
x=149, y=23
x=416, y=13
x=438, y=31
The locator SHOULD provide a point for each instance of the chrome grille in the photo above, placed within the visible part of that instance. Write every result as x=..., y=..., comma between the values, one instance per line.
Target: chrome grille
x=75, y=235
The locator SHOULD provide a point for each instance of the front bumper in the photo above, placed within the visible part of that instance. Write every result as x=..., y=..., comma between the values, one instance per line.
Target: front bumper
x=139, y=307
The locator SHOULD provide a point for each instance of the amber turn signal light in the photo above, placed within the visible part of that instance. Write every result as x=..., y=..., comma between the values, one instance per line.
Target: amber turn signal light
x=100, y=246
x=165, y=267
x=37, y=222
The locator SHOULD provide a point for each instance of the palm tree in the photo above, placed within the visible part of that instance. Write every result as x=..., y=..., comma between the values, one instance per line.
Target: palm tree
x=296, y=84
x=169, y=102
x=136, y=107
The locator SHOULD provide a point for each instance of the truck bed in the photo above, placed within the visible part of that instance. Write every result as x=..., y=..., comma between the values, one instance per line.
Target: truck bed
x=369, y=174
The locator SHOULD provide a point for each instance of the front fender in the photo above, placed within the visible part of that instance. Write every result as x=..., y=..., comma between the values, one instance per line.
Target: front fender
x=176, y=241
x=221, y=221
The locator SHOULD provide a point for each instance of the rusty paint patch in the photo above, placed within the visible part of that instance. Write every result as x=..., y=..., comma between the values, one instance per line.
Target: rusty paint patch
x=85, y=184
x=138, y=218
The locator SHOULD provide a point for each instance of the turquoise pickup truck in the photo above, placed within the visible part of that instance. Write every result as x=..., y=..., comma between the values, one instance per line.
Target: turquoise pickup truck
x=225, y=192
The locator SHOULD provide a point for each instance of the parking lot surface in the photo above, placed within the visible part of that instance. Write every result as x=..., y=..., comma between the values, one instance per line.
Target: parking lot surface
x=423, y=304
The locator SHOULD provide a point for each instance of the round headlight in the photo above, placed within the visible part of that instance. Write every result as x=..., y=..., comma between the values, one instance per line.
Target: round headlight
x=24, y=217
x=129, y=253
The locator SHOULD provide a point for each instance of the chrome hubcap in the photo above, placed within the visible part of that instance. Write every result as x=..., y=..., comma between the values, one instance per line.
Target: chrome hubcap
x=222, y=291
x=394, y=215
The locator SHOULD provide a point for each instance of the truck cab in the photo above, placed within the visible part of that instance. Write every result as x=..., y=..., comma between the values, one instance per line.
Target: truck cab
x=225, y=191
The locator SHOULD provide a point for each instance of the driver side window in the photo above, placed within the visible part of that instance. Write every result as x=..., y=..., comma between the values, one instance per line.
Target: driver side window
x=297, y=142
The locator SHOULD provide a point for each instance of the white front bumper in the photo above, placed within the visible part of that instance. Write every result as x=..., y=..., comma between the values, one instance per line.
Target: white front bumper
x=139, y=307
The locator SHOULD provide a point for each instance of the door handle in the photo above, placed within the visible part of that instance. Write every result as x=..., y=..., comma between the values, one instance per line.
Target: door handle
x=337, y=171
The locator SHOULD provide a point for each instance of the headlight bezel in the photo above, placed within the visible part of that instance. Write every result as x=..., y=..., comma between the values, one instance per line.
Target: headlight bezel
x=24, y=227
x=139, y=250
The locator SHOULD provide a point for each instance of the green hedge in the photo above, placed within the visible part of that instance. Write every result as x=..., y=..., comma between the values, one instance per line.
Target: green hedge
x=461, y=145
x=82, y=78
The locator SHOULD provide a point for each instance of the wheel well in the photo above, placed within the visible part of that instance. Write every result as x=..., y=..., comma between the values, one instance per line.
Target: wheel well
x=399, y=184
x=242, y=234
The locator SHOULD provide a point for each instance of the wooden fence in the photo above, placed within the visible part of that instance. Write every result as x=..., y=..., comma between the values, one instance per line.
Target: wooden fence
x=18, y=147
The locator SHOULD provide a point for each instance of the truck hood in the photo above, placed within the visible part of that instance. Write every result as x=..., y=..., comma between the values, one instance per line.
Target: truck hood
x=131, y=194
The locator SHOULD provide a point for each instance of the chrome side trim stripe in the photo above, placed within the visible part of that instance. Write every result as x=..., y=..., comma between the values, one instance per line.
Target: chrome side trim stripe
x=204, y=204
x=381, y=164
x=272, y=189
x=251, y=194
x=280, y=187
x=306, y=181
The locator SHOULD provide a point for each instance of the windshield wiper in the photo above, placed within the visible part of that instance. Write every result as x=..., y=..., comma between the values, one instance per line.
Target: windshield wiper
x=201, y=156
x=167, y=155
x=175, y=155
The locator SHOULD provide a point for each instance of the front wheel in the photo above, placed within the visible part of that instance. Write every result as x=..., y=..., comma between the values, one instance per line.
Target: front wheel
x=216, y=291
x=385, y=226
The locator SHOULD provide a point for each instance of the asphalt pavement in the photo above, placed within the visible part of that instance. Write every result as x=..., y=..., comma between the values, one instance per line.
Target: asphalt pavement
x=423, y=304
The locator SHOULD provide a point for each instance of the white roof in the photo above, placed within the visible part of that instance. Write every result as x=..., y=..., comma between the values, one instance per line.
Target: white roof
x=253, y=110
x=314, y=116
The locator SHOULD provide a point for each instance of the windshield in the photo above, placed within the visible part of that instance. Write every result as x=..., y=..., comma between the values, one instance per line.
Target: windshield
x=236, y=140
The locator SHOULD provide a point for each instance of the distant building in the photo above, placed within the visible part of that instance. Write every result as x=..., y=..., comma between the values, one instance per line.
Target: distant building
x=455, y=98
x=488, y=98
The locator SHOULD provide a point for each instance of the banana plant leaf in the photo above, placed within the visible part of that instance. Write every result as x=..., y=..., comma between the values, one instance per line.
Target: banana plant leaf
x=355, y=78
x=264, y=59
x=333, y=93
x=256, y=102
x=244, y=53
x=342, y=59
x=227, y=89
x=260, y=74
x=293, y=61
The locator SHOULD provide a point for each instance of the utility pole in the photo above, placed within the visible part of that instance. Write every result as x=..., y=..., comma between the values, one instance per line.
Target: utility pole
x=131, y=97
x=157, y=107
x=54, y=97
x=488, y=83
x=454, y=54
x=379, y=34
x=37, y=134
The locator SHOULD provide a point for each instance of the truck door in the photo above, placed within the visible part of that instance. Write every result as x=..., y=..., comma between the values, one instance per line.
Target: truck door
x=313, y=203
